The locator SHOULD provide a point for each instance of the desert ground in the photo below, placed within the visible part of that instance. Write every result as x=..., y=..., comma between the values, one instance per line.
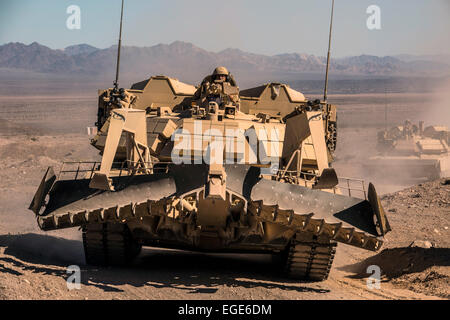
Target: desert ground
x=41, y=130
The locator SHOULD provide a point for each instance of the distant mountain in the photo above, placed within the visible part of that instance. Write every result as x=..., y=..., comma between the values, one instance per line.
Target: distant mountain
x=445, y=58
x=191, y=63
x=84, y=49
x=35, y=57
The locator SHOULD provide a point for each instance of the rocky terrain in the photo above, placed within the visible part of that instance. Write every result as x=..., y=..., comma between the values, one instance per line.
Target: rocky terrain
x=417, y=256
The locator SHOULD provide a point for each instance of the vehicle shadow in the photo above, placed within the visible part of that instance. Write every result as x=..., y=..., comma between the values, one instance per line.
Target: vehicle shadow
x=395, y=262
x=159, y=268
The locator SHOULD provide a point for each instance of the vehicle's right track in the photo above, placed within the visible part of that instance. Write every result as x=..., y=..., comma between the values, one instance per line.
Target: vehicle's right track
x=109, y=244
x=309, y=259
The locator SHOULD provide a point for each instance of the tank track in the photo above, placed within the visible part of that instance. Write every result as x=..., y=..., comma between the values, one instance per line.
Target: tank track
x=109, y=244
x=310, y=260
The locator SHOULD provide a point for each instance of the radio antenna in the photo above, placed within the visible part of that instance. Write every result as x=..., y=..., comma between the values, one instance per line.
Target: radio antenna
x=116, y=82
x=385, y=107
x=325, y=91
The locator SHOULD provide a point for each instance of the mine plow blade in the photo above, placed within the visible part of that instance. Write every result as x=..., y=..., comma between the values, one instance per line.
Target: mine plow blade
x=344, y=219
x=72, y=203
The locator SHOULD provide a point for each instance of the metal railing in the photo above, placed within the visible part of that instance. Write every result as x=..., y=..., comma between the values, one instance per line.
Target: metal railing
x=352, y=184
x=74, y=170
x=77, y=168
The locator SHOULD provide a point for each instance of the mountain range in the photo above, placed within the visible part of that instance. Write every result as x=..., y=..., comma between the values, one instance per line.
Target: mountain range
x=190, y=63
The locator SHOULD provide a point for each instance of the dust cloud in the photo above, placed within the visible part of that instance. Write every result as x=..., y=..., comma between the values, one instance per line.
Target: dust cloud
x=438, y=112
x=362, y=116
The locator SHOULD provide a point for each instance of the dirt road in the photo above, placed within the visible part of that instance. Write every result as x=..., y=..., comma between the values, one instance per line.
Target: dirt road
x=33, y=266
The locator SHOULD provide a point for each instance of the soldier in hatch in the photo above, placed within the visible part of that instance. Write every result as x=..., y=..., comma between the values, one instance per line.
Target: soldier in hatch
x=219, y=87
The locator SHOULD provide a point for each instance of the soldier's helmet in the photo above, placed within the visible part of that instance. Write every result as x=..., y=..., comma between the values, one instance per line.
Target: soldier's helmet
x=220, y=71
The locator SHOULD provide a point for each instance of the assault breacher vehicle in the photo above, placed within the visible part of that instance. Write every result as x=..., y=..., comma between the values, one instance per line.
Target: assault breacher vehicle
x=211, y=169
x=413, y=151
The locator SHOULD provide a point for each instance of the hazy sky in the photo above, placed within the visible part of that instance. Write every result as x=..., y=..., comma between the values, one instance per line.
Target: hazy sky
x=259, y=26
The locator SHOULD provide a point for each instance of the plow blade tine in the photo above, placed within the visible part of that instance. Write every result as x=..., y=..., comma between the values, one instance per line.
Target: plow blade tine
x=344, y=219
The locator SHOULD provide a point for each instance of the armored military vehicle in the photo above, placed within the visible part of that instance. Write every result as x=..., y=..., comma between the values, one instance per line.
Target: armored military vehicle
x=211, y=168
x=214, y=169
x=413, y=152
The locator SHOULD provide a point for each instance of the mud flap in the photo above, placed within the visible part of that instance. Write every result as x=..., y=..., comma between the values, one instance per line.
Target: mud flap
x=101, y=181
x=327, y=180
x=381, y=223
x=42, y=191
